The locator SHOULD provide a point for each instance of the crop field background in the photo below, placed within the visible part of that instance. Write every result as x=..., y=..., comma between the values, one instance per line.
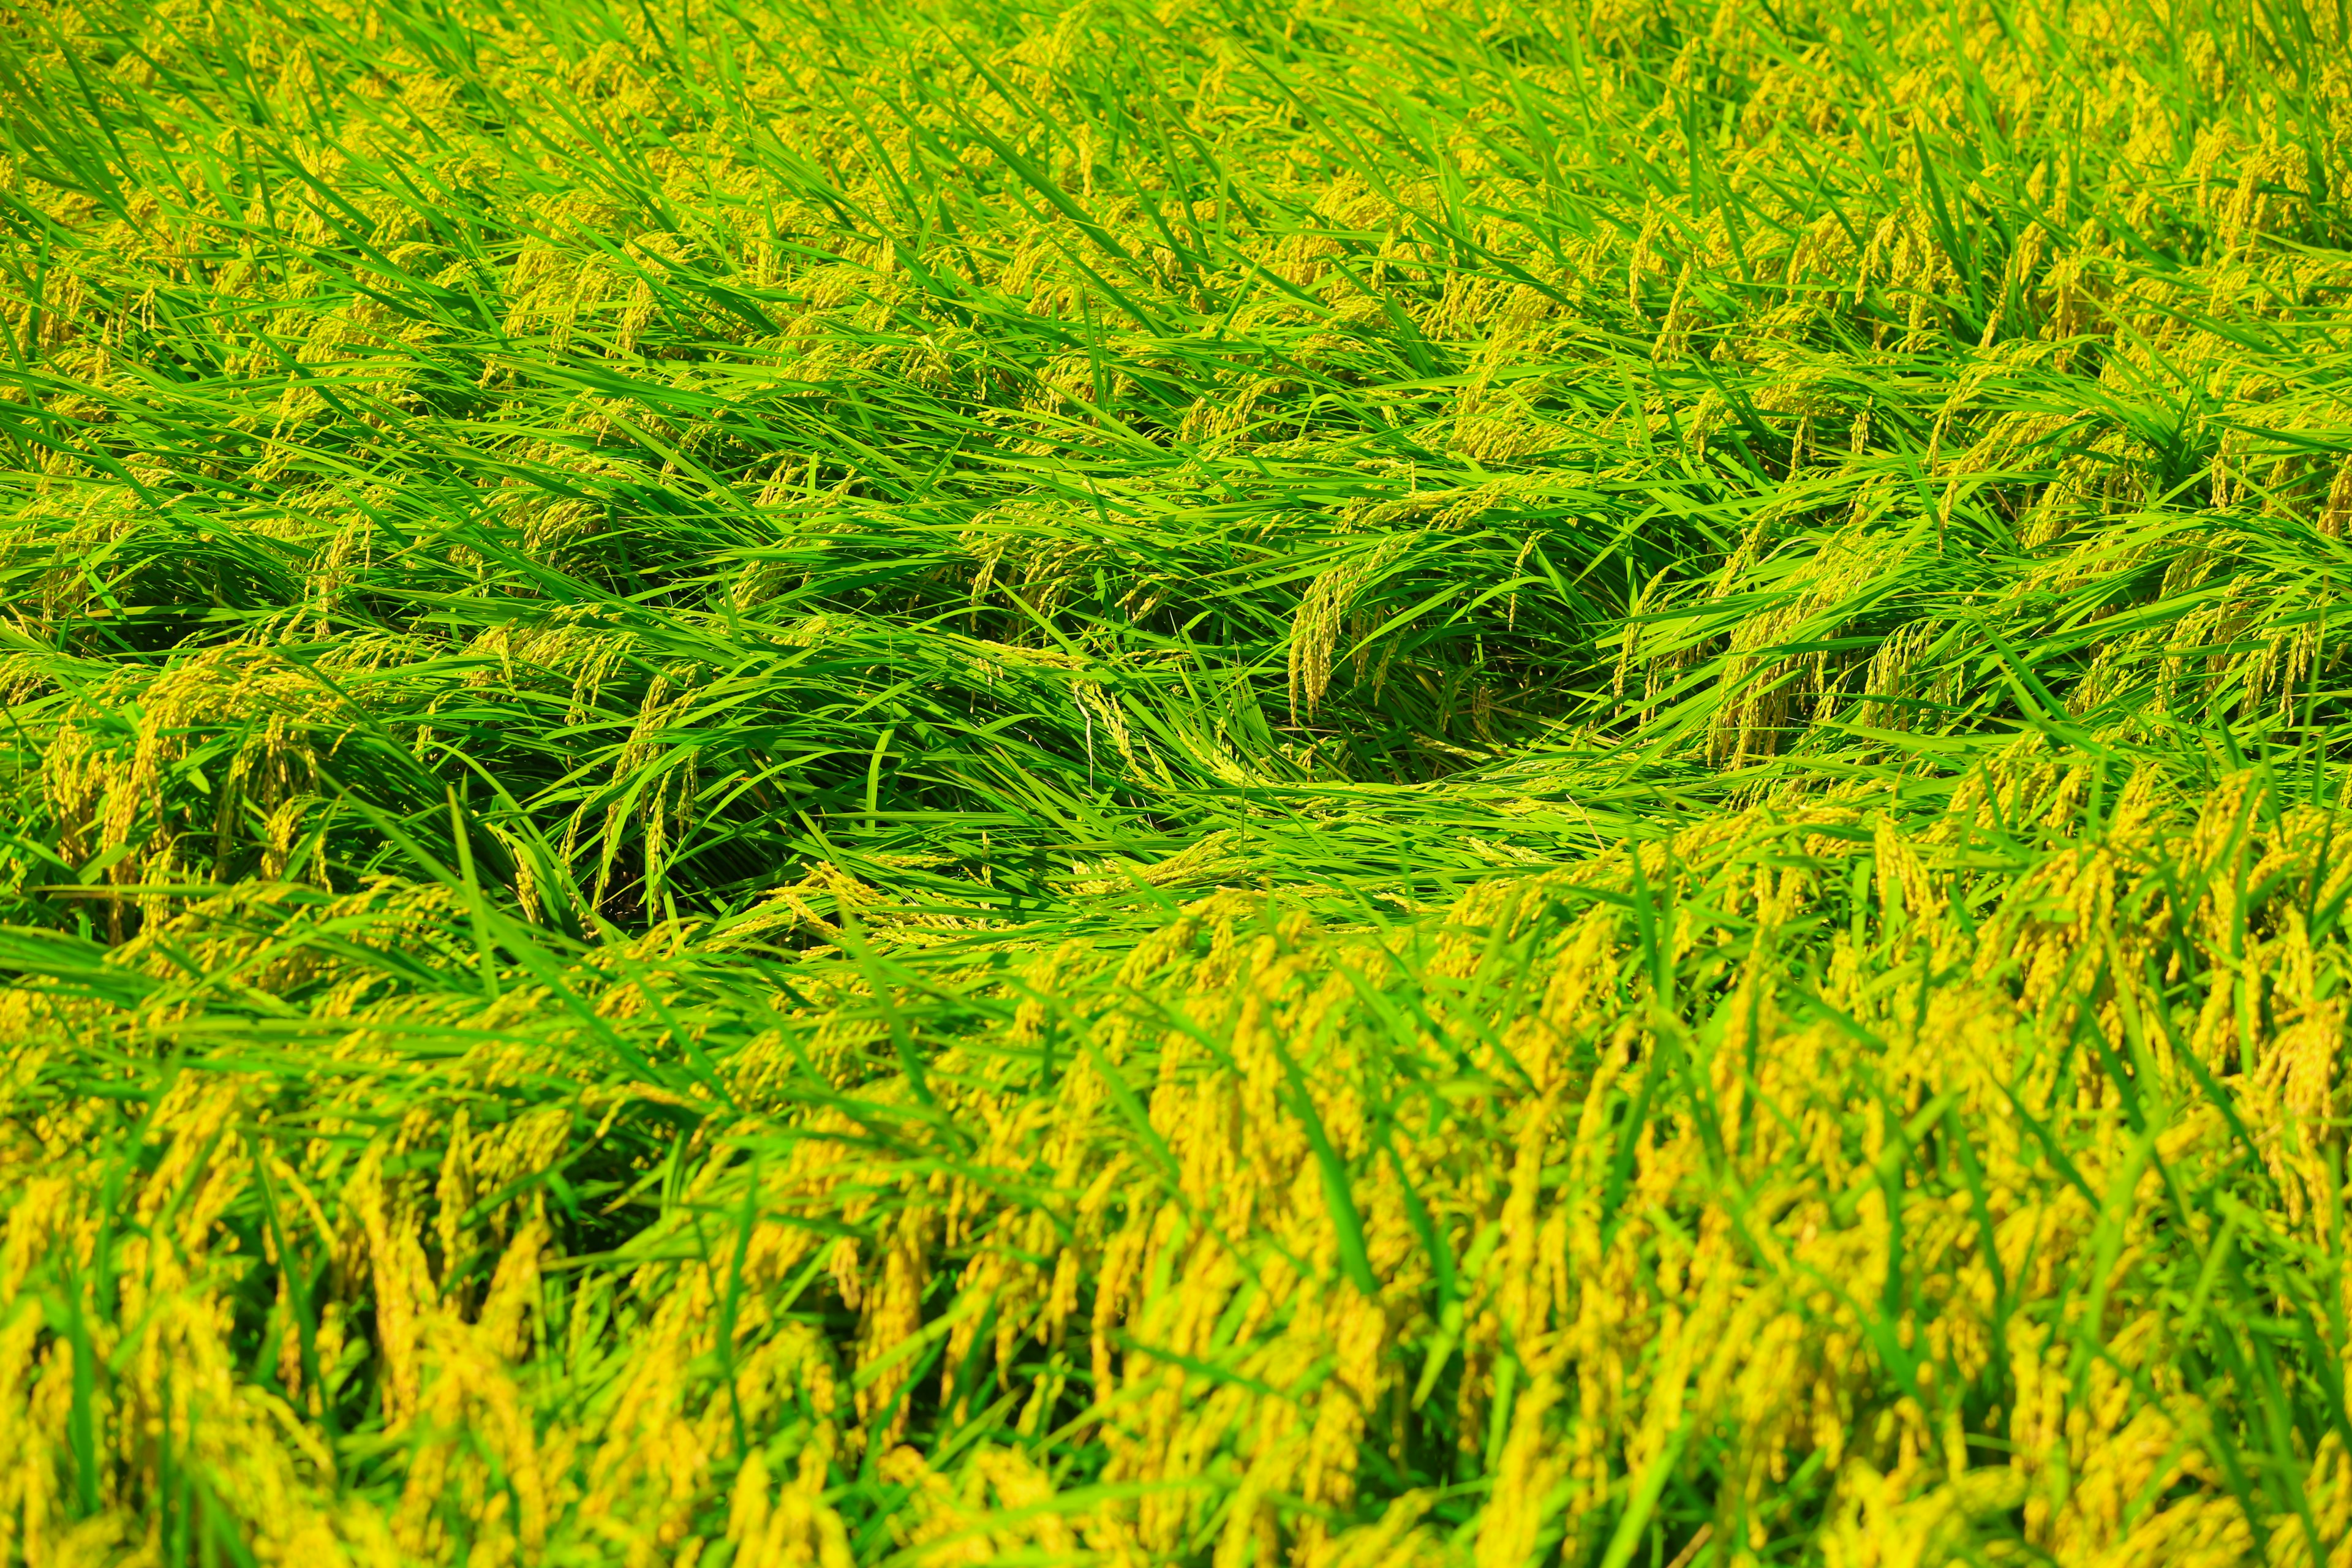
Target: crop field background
x=1326, y=781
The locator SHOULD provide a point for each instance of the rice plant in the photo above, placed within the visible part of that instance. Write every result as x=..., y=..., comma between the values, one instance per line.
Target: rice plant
x=1358, y=783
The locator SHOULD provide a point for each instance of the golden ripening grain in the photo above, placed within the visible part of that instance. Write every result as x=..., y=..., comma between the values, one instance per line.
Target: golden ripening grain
x=1348, y=783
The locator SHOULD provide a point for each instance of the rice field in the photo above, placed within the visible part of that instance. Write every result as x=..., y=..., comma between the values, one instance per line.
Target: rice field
x=1351, y=782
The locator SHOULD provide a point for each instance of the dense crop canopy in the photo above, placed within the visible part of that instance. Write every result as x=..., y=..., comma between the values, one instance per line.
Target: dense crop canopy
x=1340, y=782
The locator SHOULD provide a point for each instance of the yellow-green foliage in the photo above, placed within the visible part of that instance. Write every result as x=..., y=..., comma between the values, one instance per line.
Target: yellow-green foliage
x=1332, y=782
